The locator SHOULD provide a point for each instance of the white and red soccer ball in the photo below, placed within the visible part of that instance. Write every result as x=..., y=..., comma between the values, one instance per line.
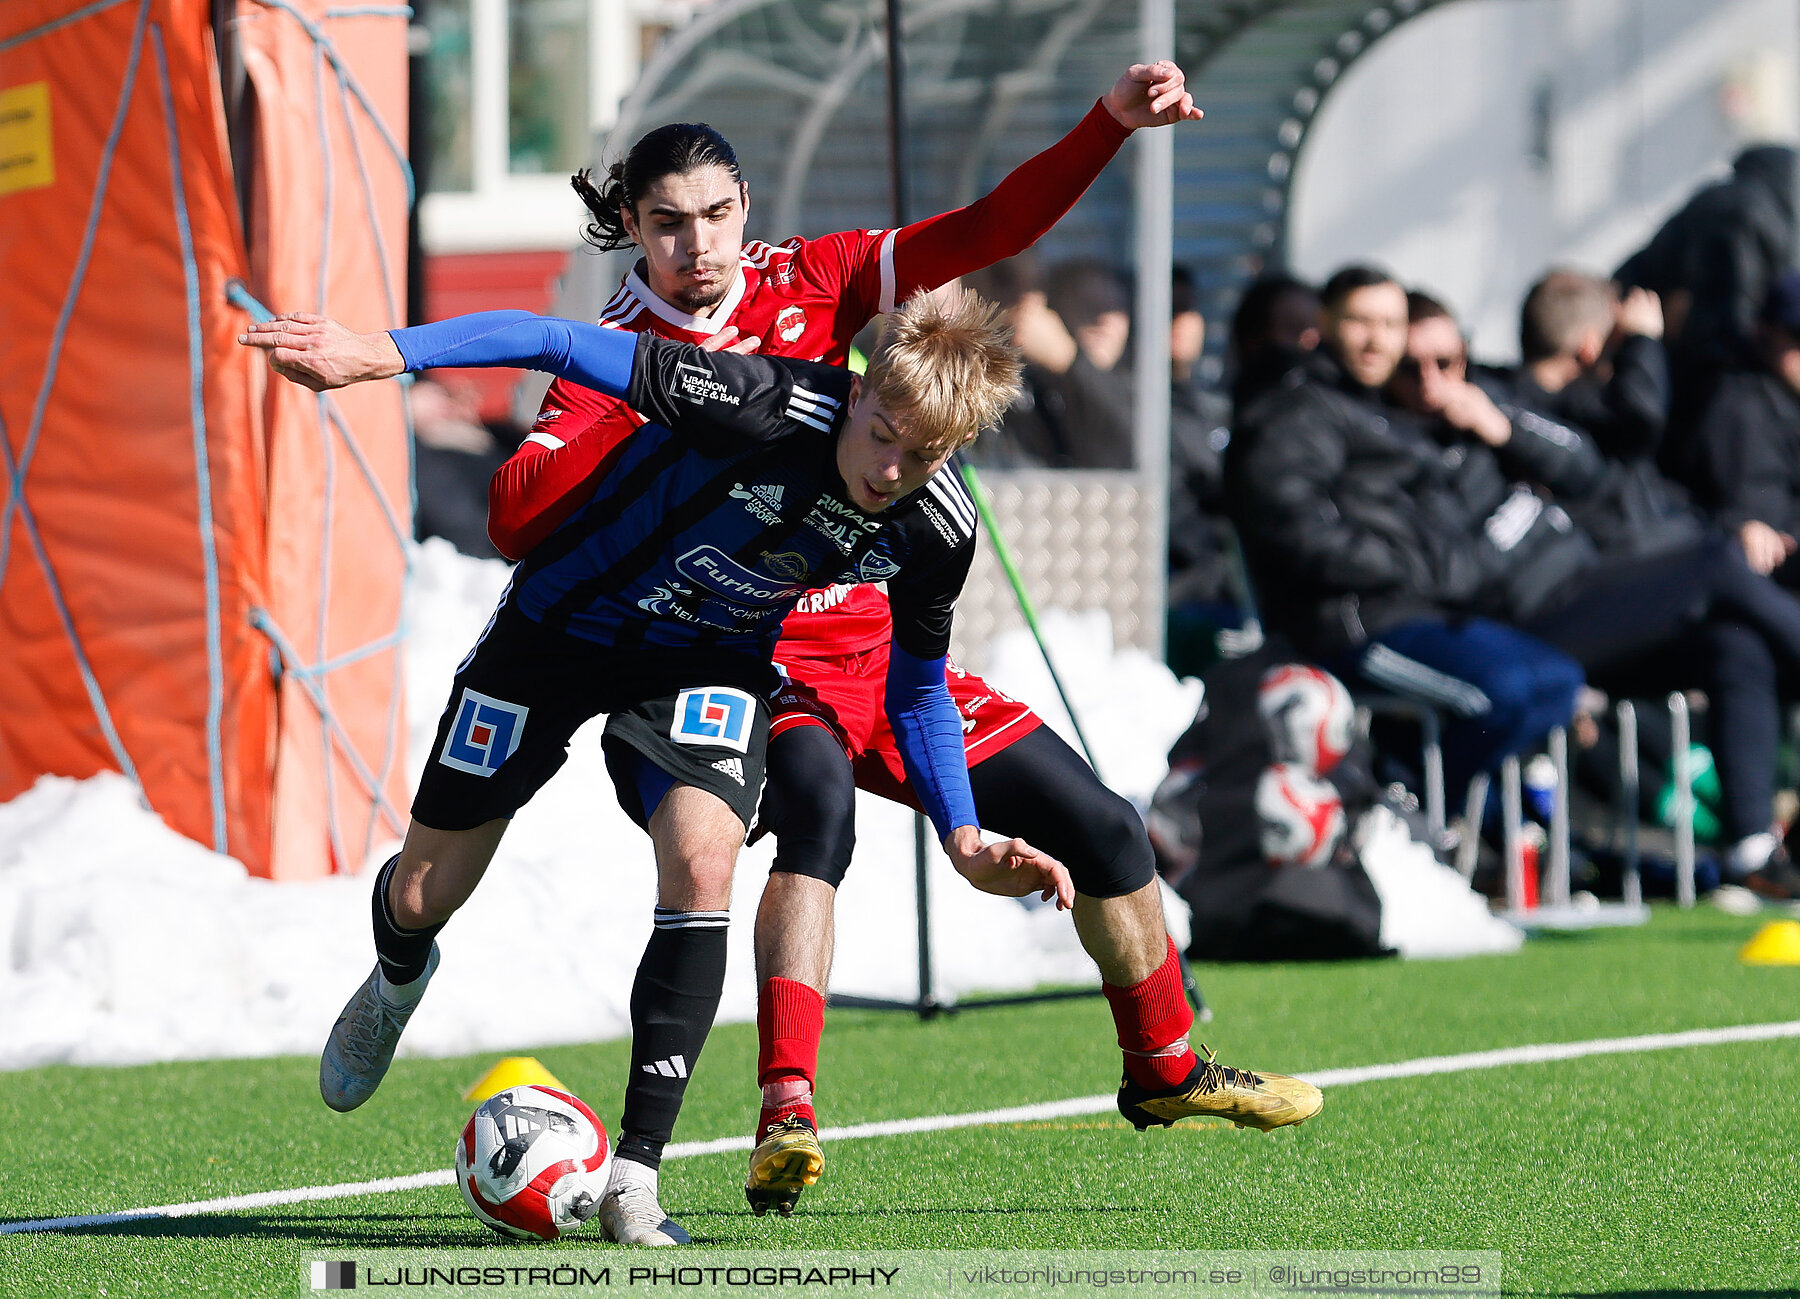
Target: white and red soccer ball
x=1302, y=816
x=1308, y=715
x=532, y=1162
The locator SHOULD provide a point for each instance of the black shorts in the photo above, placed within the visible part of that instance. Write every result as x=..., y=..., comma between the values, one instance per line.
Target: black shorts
x=699, y=715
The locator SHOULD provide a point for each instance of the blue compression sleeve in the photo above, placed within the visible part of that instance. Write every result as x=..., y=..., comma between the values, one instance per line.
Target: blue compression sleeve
x=591, y=356
x=929, y=732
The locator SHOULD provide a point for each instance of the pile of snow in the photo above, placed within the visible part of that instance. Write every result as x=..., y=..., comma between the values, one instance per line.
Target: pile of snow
x=1427, y=909
x=127, y=943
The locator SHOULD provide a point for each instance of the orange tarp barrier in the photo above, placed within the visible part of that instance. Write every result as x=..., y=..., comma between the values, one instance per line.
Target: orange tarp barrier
x=175, y=526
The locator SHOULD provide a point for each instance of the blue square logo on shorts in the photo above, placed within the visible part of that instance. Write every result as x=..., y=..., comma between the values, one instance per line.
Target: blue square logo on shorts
x=719, y=716
x=485, y=733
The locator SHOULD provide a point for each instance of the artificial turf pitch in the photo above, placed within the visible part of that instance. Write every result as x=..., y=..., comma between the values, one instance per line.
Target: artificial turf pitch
x=1666, y=1172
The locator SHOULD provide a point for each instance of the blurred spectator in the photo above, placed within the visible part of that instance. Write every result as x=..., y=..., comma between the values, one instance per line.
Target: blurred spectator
x=1093, y=303
x=1691, y=616
x=1201, y=599
x=1070, y=414
x=1361, y=549
x=1493, y=451
x=1276, y=324
x=1199, y=429
x=1712, y=263
x=454, y=456
x=1744, y=453
x=1595, y=361
x=1030, y=435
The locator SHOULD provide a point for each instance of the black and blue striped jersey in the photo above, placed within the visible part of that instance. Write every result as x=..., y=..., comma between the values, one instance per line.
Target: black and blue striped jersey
x=717, y=514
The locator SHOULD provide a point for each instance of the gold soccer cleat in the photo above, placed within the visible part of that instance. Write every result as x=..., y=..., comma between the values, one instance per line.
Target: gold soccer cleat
x=1250, y=1100
x=784, y=1163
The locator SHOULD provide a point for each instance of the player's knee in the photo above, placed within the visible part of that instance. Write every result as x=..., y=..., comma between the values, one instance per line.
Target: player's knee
x=828, y=798
x=810, y=808
x=1114, y=856
x=699, y=884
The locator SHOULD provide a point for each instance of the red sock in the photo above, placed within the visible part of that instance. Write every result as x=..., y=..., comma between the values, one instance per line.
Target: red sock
x=790, y=1019
x=1151, y=1016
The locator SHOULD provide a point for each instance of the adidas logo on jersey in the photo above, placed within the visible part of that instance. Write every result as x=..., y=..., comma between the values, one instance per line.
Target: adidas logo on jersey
x=673, y=1067
x=762, y=502
x=732, y=767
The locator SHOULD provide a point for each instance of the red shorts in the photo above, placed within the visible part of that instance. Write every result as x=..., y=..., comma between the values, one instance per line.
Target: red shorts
x=845, y=695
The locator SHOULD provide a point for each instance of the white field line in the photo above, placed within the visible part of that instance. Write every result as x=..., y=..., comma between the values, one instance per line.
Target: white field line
x=1437, y=1064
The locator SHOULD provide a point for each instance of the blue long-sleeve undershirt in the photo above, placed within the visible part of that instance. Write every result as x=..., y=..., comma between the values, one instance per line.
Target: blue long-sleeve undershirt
x=587, y=354
x=929, y=733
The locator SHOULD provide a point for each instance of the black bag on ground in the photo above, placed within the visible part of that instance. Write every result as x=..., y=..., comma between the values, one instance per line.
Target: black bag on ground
x=1243, y=908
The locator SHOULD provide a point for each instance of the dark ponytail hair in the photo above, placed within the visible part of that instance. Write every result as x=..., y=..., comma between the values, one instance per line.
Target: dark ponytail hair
x=672, y=150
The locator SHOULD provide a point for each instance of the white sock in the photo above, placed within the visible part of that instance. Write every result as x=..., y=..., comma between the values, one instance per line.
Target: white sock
x=1750, y=854
x=630, y=1171
x=400, y=994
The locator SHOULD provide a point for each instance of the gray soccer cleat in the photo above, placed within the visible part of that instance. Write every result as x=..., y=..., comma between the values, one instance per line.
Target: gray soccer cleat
x=362, y=1042
x=631, y=1215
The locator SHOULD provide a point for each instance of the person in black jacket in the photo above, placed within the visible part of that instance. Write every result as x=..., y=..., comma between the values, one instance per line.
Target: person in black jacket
x=1669, y=619
x=1744, y=453
x=1276, y=323
x=1199, y=429
x=1596, y=361
x=1363, y=552
x=1712, y=262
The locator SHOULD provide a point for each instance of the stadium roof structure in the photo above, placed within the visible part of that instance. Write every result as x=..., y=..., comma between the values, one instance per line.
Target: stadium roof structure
x=796, y=86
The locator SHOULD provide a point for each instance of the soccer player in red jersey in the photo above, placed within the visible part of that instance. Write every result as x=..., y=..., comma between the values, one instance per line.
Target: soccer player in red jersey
x=679, y=196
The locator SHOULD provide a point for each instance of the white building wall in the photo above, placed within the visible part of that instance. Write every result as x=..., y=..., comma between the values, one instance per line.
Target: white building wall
x=1489, y=139
x=506, y=212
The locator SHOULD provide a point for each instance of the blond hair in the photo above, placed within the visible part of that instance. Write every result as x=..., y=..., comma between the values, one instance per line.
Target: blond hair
x=947, y=365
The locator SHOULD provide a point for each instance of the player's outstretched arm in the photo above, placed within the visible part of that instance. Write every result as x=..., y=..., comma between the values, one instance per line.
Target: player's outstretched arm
x=1035, y=195
x=319, y=353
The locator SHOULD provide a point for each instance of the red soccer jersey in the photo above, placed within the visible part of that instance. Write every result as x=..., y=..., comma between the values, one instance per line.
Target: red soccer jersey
x=804, y=298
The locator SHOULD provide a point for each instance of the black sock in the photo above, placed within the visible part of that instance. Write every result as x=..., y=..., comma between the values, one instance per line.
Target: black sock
x=639, y=1150
x=403, y=952
x=673, y=1002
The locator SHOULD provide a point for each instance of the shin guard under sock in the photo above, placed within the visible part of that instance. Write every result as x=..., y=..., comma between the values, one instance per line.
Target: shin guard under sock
x=673, y=1001
x=403, y=952
x=790, y=1019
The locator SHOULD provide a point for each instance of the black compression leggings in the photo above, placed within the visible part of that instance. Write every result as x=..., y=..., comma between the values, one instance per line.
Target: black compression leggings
x=1037, y=789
